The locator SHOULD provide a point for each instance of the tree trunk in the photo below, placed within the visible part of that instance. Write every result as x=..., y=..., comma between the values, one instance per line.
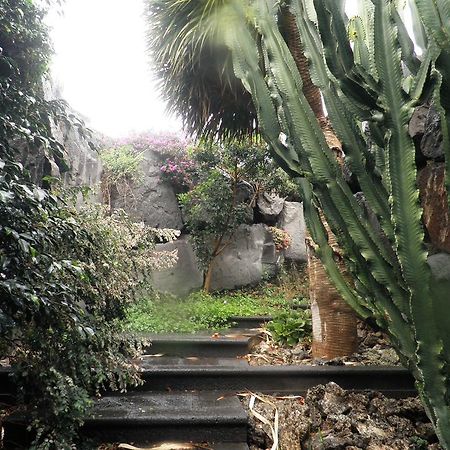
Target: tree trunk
x=208, y=277
x=334, y=322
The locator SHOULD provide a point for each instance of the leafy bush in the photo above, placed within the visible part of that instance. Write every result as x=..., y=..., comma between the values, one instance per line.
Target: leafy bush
x=291, y=327
x=122, y=163
x=65, y=277
x=121, y=170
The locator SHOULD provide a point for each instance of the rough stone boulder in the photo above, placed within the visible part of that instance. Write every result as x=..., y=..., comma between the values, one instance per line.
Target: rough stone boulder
x=417, y=123
x=185, y=277
x=81, y=165
x=431, y=145
x=246, y=260
x=153, y=201
x=440, y=266
x=292, y=221
x=433, y=194
x=270, y=206
x=83, y=160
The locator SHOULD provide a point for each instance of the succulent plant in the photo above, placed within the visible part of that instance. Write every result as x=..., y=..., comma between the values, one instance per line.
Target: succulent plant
x=371, y=80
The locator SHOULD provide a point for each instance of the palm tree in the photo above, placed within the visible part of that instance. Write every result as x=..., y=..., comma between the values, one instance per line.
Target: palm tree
x=197, y=80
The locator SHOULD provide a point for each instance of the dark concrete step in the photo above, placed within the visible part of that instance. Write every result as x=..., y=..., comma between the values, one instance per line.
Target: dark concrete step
x=146, y=418
x=229, y=343
x=250, y=322
x=235, y=375
x=232, y=375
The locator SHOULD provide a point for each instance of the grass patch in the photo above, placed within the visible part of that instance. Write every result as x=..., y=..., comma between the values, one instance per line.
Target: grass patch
x=201, y=311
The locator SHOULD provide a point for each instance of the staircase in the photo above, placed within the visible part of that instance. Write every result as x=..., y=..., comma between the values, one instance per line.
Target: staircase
x=190, y=386
x=184, y=397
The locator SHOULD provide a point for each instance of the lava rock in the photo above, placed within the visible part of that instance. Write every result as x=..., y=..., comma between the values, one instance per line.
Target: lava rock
x=153, y=201
x=433, y=194
x=431, y=144
x=418, y=120
x=270, y=207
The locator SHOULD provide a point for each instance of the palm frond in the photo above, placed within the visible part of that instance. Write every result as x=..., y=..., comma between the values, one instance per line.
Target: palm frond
x=195, y=68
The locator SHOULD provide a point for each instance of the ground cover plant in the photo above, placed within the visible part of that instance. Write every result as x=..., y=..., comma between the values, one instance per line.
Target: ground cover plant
x=201, y=311
x=370, y=78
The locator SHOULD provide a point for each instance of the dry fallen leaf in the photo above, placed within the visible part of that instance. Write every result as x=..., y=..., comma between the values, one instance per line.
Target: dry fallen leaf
x=166, y=446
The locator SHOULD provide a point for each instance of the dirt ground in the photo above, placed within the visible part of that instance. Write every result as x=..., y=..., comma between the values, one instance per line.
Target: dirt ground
x=374, y=349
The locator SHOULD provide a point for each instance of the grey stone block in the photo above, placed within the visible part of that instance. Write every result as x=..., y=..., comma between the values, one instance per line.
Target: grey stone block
x=185, y=277
x=292, y=221
x=246, y=260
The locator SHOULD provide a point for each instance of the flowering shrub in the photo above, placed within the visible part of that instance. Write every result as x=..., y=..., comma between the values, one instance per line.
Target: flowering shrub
x=281, y=238
x=163, y=144
x=180, y=172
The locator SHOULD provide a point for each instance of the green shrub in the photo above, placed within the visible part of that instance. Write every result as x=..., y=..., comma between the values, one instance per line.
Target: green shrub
x=122, y=163
x=65, y=279
x=291, y=327
x=122, y=169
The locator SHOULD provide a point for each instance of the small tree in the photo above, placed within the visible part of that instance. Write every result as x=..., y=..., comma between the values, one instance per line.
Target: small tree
x=229, y=181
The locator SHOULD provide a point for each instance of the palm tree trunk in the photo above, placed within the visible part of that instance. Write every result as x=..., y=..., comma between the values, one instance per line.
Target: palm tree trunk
x=334, y=322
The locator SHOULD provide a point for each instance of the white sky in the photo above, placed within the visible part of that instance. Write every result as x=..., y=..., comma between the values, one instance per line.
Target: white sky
x=102, y=67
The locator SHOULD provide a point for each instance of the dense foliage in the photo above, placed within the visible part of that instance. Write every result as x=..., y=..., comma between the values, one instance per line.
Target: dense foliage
x=65, y=276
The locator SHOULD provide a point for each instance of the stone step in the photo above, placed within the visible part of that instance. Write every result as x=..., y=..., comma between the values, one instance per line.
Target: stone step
x=229, y=343
x=233, y=375
x=146, y=418
x=249, y=322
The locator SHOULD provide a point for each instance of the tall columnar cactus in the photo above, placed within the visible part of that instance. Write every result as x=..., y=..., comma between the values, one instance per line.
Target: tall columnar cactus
x=371, y=81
